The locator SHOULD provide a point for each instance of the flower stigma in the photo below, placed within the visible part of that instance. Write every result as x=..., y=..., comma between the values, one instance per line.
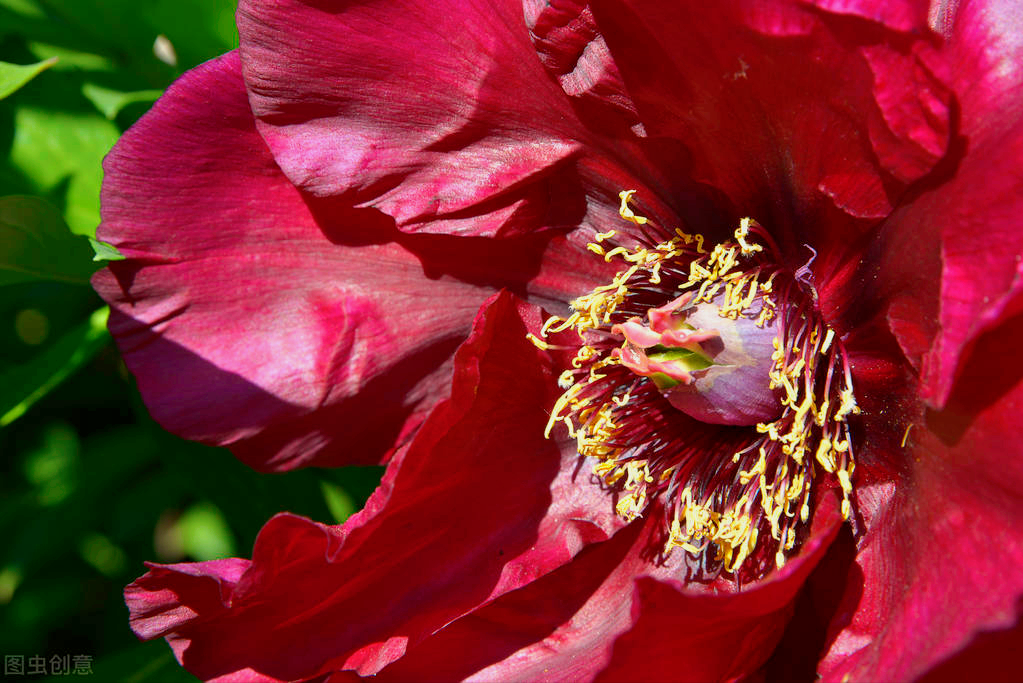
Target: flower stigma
x=707, y=380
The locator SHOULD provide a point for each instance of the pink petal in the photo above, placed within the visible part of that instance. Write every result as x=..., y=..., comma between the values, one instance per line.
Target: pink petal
x=437, y=113
x=664, y=319
x=736, y=389
x=159, y=611
x=478, y=505
x=942, y=557
x=637, y=333
x=901, y=15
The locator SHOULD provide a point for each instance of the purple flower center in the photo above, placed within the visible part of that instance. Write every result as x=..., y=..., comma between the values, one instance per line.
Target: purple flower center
x=708, y=386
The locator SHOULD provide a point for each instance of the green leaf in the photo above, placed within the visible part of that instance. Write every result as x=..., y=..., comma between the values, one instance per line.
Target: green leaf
x=23, y=385
x=60, y=152
x=197, y=29
x=13, y=76
x=338, y=501
x=26, y=7
x=204, y=532
x=246, y=498
x=71, y=60
x=110, y=102
x=104, y=251
x=102, y=554
x=35, y=244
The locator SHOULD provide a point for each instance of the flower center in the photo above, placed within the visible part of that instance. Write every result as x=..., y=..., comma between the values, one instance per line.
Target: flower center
x=709, y=383
x=710, y=366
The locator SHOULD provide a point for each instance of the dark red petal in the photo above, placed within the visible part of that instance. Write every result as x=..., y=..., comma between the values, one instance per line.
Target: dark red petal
x=478, y=505
x=559, y=627
x=438, y=113
x=777, y=104
x=613, y=614
x=572, y=49
x=682, y=633
x=977, y=209
x=991, y=657
x=942, y=556
x=295, y=335
x=158, y=611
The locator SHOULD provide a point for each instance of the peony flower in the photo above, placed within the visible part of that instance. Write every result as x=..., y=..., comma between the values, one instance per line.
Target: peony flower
x=745, y=406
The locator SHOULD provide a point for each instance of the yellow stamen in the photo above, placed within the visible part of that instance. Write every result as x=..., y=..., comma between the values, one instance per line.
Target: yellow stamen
x=905, y=436
x=625, y=211
x=537, y=342
x=774, y=473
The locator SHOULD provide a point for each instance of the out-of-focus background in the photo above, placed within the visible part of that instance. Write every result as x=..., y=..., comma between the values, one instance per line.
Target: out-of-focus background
x=91, y=487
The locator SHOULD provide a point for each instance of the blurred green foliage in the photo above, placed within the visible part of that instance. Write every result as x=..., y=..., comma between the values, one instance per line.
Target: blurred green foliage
x=91, y=486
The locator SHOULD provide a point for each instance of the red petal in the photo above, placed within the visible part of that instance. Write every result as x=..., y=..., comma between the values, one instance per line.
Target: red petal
x=478, y=505
x=437, y=113
x=785, y=87
x=298, y=336
x=977, y=209
x=559, y=627
x=574, y=52
x=942, y=557
x=682, y=633
x=612, y=614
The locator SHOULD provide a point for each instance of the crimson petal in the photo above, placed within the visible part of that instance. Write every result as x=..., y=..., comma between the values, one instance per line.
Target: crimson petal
x=942, y=555
x=978, y=208
x=571, y=48
x=786, y=86
x=478, y=505
x=249, y=321
x=435, y=112
x=604, y=616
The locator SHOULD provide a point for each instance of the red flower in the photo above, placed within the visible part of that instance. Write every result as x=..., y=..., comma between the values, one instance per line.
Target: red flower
x=310, y=225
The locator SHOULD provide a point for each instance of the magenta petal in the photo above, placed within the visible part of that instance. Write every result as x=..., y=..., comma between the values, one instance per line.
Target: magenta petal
x=250, y=322
x=942, y=557
x=478, y=505
x=902, y=15
x=437, y=113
